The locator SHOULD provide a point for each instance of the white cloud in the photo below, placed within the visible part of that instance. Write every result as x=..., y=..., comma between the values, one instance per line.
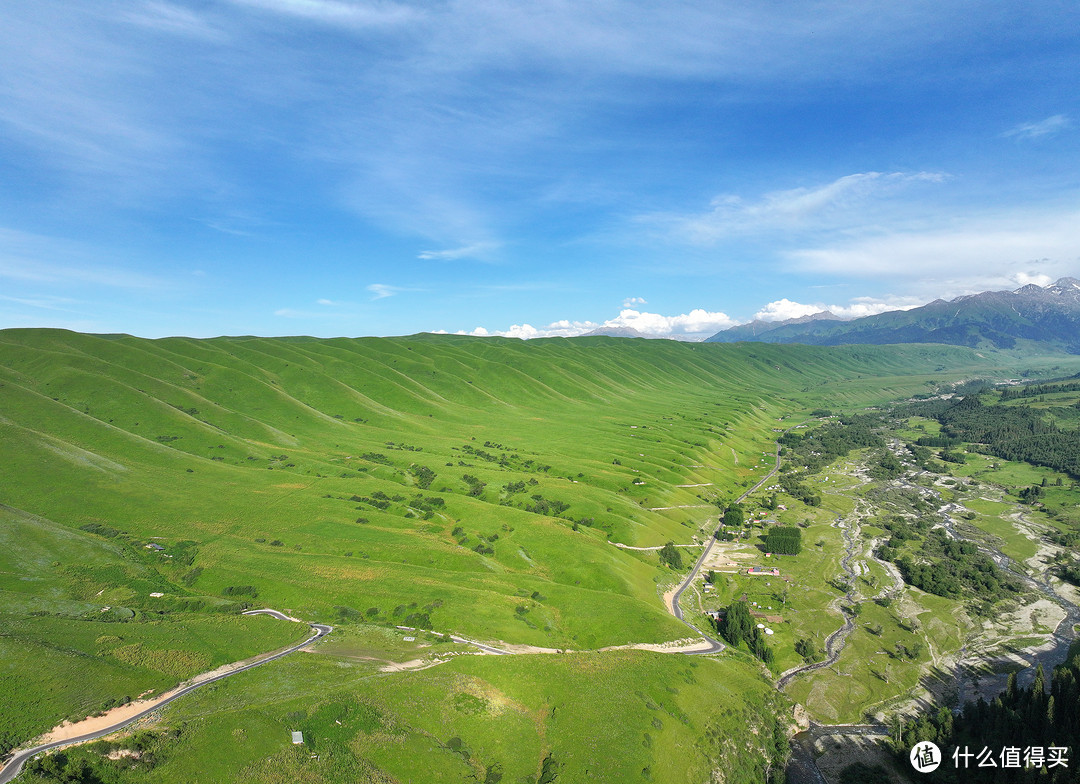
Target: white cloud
x=784, y=309
x=629, y=302
x=697, y=323
x=1027, y=278
x=987, y=252
x=477, y=250
x=44, y=302
x=871, y=306
x=381, y=290
x=339, y=12
x=1035, y=130
x=839, y=202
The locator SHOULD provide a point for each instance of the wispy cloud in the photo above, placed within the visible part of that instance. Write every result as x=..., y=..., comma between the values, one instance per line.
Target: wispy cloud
x=480, y=251
x=355, y=15
x=984, y=252
x=44, y=302
x=630, y=302
x=1036, y=130
x=167, y=17
x=838, y=202
x=33, y=258
x=312, y=315
x=382, y=290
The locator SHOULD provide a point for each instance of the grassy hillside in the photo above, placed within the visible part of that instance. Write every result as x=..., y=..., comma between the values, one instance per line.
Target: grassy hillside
x=438, y=475
x=469, y=485
x=623, y=716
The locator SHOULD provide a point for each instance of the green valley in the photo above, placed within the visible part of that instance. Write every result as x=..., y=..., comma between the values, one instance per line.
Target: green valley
x=404, y=489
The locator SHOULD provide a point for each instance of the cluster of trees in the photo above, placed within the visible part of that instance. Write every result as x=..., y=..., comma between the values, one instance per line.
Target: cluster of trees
x=954, y=569
x=784, y=540
x=809, y=650
x=546, y=506
x=797, y=490
x=92, y=765
x=424, y=475
x=670, y=556
x=734, y=516
x=1035, y=390
x=1018, y=718
x=1070, y=572
x=886, y=465
x=821, y=446
x=738, y=626
x=378, y=499
x=901, y=530
x=503, y=459
x=427, y=504
x=1013, y=433
x=476, y=487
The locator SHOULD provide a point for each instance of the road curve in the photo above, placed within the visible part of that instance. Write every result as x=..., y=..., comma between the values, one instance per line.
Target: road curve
x=15, y=764
x=675, y=609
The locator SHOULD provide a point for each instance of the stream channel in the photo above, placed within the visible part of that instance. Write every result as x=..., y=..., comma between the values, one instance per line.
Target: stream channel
x=802, y=767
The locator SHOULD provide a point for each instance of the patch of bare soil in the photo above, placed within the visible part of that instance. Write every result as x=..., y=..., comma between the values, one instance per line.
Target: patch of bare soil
x=69, y=729
x=688, y=645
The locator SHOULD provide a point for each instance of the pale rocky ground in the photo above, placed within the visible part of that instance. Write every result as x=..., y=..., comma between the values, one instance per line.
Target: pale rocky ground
x=839, y=751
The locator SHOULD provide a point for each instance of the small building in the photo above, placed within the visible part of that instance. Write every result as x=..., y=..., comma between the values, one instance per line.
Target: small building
x=297, y=738
x=761, y=571
x=155, y=547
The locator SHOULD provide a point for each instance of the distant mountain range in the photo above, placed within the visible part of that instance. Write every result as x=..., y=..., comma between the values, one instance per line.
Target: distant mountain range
x=1044, y=314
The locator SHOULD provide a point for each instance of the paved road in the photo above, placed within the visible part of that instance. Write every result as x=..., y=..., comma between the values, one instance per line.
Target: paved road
x=675, y=609
x=715, y=646
x=15, y=763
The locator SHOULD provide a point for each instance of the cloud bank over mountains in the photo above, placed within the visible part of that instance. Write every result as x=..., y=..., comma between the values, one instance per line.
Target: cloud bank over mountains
x=699, y=323
x=695, y=325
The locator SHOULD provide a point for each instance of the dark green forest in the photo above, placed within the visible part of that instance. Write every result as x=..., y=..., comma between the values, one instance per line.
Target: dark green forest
x=1022, y=727
x=1009, y=432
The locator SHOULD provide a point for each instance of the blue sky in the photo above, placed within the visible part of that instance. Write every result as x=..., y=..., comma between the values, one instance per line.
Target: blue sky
x=329, y=167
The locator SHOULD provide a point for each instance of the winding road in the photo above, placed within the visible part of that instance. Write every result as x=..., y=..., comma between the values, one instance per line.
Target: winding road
x=15, y=763
x=715, y=645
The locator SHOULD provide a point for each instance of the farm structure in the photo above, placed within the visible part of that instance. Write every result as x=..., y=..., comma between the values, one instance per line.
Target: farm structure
x=761, y=571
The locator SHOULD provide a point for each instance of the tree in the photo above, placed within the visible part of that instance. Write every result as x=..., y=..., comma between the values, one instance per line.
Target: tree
x=670, y=556
x=737, y=623
x=781, y=539
x=734, y=516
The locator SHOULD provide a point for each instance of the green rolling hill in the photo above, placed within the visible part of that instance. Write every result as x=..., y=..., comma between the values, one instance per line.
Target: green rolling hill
x=467, y=485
